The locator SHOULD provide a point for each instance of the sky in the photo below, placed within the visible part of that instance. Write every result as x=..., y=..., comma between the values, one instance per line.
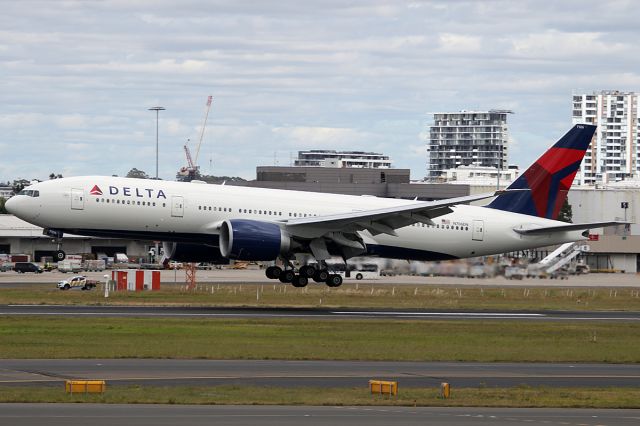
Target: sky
x=77, y=78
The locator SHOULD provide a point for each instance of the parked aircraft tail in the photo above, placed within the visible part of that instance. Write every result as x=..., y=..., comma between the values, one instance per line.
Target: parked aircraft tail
x=549, y=178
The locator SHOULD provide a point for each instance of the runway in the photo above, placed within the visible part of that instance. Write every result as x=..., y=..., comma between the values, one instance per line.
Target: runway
x=315, y=313
x=168, y=372
x=189, y=415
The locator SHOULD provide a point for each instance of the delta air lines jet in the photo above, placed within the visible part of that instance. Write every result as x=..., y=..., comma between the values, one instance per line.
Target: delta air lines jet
x=201, y=222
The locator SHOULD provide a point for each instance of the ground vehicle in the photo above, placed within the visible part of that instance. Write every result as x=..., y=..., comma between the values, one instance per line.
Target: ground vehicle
x=365, y=271
x=22, y=267
x=69, y=266
x=79, y=281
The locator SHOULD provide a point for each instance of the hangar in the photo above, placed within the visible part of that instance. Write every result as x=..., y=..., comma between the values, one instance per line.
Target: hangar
x=20, y=237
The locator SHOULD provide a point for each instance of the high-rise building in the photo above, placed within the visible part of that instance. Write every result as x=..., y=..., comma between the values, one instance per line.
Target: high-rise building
x=330, y=158
x=613, y=153
x=468, y=138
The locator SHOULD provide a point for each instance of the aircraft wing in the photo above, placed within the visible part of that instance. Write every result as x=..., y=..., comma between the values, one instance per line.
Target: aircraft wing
x=385, y=220
x=534, y=230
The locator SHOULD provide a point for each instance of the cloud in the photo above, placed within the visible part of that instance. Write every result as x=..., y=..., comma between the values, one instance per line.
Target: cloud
x=287, y=76
x=459, y=43
x=319, y=137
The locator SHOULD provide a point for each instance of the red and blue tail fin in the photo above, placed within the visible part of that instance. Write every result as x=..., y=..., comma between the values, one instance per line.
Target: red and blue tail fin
x=549, y=178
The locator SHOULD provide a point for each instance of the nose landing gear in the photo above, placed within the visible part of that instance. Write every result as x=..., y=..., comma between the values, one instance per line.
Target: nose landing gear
x=57, y=238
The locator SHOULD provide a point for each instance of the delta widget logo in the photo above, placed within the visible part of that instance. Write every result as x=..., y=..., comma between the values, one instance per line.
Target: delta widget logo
x=95, y=190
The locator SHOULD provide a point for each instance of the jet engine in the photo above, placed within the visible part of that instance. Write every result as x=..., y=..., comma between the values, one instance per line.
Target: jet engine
x=245, y=239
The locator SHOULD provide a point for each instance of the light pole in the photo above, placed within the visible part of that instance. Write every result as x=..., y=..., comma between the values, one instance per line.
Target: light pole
x=157, y=109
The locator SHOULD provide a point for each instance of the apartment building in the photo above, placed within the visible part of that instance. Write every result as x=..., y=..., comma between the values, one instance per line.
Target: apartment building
x=353, y=159
x=468, y=138
x=613, y=153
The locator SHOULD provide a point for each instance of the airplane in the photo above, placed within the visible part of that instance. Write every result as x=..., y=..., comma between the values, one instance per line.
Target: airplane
x=199, y=222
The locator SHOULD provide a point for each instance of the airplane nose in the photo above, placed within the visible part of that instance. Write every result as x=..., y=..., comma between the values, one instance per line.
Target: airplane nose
x=10, y=205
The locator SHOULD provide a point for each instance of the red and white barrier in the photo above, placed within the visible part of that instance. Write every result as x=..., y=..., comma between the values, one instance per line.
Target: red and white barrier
x=136, y=279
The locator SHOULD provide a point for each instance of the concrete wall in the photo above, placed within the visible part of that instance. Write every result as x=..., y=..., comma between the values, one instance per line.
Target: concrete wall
x=594, y=205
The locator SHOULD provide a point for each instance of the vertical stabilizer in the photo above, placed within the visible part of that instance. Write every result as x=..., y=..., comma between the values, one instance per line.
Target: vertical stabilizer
x=549, y=178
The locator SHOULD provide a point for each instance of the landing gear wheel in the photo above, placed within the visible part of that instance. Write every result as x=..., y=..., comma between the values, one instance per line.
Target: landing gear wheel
x=286, y=276
x=307, y=271
x=321, y=276
x=60, y=255
x=300, y=281
x=334, y=280
x=273, y=272
x=359, y=276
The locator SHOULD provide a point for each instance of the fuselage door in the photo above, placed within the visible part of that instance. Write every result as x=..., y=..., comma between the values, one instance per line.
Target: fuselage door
x=477, y=232
x=177, y=206
x=77, y=199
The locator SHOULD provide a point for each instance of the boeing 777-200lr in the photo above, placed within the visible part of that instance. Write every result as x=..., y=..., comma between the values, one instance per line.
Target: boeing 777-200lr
x=200, y=222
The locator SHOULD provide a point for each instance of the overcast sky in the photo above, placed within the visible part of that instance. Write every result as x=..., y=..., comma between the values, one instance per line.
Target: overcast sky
x=77, y=77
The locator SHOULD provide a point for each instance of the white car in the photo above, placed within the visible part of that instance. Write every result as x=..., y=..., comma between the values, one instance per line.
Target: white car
x=79, y=281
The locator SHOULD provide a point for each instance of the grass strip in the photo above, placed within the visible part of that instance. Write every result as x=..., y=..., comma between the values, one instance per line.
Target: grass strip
x=346, y=296
x=523, y=396
x=304, y=339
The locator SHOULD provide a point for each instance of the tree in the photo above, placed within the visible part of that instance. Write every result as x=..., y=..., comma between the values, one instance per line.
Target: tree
x=137, y=174
x=55, y=176
x=19, y=184
x=3, y=210
x=566, y=213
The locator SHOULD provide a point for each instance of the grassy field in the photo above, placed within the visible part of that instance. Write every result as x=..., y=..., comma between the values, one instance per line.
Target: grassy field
x=348, y=296
x=301, y=339
x=470, y=397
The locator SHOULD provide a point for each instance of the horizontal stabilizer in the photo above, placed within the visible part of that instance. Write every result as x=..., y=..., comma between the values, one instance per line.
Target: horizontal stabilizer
x=534, y=230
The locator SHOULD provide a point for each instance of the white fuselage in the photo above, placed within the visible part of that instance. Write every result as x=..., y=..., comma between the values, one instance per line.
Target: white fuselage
x=192, y=212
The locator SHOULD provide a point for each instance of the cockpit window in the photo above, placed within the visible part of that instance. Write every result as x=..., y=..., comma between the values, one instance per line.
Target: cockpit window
x=29, y=193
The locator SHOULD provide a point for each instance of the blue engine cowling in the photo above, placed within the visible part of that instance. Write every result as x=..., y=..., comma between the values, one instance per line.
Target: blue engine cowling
x=244, y=239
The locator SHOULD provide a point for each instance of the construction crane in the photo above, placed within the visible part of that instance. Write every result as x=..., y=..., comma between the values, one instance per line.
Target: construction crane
x=190, y=172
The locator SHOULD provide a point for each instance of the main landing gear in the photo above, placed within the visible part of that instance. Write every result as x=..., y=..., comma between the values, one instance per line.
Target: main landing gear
x=301, y=279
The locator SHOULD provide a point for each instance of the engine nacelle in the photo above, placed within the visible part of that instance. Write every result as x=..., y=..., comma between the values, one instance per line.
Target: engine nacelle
x=244, y=239
x=186, y=252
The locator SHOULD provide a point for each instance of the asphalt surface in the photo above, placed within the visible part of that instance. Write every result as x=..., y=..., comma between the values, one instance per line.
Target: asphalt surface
x=189, y=415
x=167, y=372
x=248, y=276
x=215, y=312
